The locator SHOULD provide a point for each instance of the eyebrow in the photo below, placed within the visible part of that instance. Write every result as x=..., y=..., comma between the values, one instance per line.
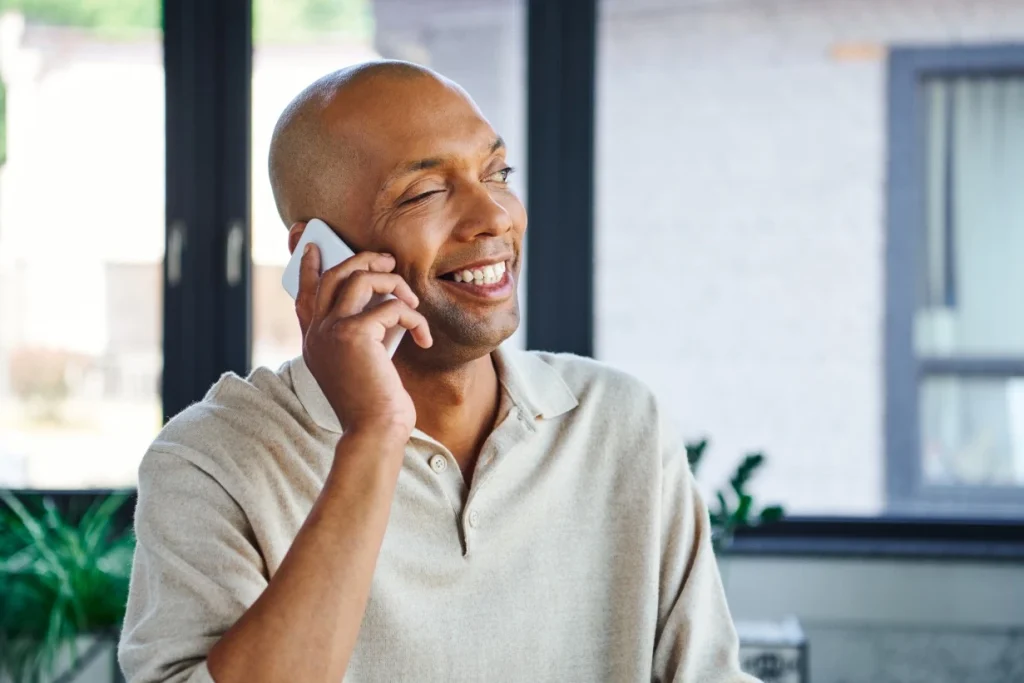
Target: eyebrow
x=434, y=162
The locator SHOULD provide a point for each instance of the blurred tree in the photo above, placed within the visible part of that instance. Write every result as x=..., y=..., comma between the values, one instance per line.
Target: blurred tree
x=278, y=21
x=106, y=16
x=275, y=20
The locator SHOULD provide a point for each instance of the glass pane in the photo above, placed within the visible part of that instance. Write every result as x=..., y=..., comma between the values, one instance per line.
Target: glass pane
x=81, y=242
x=972, y=284
x=298, y=42
x=741, y=229
x=972, y=431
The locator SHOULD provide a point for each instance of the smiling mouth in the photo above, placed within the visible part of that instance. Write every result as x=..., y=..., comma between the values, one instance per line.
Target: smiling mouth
x=490, y=274
x=491, y=282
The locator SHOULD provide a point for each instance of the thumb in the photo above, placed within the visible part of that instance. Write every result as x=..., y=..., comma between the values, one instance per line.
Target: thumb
x=309, y=282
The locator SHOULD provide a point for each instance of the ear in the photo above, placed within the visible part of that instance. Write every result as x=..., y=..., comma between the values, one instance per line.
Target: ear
x=295, y=234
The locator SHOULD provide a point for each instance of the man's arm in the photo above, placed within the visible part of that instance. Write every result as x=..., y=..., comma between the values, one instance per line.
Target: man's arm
x=198, y=581
x=304, y=625
x=197, y=588
x=196, y=569
x=696, y=639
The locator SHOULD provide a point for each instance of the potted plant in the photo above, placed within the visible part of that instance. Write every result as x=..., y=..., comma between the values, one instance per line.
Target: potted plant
x=62, y=583
x=733, y=507
x=770, y=650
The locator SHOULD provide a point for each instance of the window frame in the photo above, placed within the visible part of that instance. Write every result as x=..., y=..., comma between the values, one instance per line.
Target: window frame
x=907, y=492
x=561, y=55
x=211, y=320
x=207, y=302
x=206, y=298
x=553, y=323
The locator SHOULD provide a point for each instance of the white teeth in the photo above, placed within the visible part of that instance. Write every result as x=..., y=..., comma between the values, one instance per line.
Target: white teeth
x=488, y=275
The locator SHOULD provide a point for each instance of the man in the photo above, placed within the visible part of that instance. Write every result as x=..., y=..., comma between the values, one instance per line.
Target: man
x=464, y=513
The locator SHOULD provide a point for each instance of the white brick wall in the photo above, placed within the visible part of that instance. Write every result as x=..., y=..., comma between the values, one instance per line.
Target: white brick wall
x=740, y=223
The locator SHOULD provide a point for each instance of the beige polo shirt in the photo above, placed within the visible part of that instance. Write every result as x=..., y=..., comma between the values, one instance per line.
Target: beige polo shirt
x=580, y=551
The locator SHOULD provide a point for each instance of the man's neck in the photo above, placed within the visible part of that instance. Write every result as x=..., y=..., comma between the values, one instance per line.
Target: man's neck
x=458, y=406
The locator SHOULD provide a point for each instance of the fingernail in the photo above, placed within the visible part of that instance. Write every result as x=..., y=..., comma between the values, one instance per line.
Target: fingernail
x=305, y=250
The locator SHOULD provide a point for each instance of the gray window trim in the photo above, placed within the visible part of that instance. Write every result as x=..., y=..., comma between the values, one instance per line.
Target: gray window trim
x=906, y=491
x=971, y=367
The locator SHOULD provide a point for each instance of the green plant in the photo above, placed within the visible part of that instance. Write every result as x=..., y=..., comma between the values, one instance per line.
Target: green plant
x=59, y=580
x=734, y=507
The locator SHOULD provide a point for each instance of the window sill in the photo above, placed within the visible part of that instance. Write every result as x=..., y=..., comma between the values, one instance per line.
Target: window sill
x=853, y=537
x=1001, y=540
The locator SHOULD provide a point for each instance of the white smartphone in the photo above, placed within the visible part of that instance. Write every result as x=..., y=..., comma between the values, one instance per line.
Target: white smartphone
x=333, y=251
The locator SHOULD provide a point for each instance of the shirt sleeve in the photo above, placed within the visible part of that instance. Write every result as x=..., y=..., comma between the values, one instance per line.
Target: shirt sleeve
x=196, y=571
x=696, y=639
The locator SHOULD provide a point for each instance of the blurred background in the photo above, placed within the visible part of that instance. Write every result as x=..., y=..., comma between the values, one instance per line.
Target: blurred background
x=801, y=222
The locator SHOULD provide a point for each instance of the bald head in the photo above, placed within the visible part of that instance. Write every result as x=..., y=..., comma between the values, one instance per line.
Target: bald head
x=312, y=153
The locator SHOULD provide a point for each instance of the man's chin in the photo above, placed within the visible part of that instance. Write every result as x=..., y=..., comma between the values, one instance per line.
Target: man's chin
x=464, y=341
x=488, y=335
x=480, y=342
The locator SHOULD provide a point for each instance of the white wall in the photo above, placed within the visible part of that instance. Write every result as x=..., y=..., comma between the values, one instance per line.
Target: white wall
x=740, y=222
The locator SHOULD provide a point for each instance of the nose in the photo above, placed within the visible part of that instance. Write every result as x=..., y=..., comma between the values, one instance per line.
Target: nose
x=480, y=214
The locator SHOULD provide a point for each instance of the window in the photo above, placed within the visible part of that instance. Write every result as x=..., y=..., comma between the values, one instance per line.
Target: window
x=81, y=241
x=958, y=446
x=296, y=43
x=741, y=236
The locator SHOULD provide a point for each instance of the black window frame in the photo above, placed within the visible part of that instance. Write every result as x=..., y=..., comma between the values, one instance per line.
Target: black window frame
x=207, y=315
x=206, y=297
x=561, y=69
x=208, y=263
x=907, y=492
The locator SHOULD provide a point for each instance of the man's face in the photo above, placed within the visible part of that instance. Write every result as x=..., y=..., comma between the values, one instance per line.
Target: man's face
x=431, y=190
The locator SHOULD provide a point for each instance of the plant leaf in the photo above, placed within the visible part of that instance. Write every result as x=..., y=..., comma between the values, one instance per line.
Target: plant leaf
x=772, y=513
x=61, y=580
x=695, y=452
x=98, y=520
x=723, y=507
x=742, y=513
x=34, y=528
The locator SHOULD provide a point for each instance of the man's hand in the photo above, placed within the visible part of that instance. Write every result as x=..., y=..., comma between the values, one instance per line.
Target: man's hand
x=343, y=343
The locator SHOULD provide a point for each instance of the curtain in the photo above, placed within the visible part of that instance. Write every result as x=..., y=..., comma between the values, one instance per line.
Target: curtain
x=971, y=288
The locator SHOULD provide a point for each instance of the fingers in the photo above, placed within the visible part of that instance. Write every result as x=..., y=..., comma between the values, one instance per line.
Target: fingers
x=366, y=261
x=342, y=293
x=394, y=313
x=309, y=279
x=361, y=286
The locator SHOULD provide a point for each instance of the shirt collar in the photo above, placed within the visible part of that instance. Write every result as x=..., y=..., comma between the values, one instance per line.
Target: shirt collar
x=534, y=386
x=311, y=396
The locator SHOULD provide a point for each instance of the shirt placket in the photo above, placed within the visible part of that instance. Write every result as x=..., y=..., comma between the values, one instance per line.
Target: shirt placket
x=469, y=507
x=444, y=471
x=513, y=430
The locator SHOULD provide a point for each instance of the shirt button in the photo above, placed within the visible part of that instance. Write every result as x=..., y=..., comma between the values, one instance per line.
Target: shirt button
x=438, y=463
x=474, y=518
